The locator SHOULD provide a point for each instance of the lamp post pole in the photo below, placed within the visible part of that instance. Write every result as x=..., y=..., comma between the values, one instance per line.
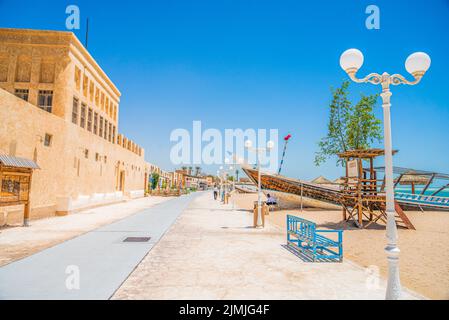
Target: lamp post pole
x=248, y=145
x=416, y=64
x=259, y=194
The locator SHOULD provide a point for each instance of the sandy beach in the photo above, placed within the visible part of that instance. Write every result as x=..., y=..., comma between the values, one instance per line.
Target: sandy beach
x=424, y=259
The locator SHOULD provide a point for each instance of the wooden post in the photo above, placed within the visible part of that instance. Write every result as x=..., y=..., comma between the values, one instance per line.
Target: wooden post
x=27, y=209
x=428, y=184
x=359, y=191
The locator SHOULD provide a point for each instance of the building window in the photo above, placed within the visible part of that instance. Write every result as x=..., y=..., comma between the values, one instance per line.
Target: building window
x=110, y=132
x=48, y=139
x=95, y=123
x=22, y=94
x=45, y=100
x=100, y=132
x=83, y=116
x=89, y=119
x=105, y=129
x=86, y=153
x=75, y=110
x=97, y=156
x=113, y=134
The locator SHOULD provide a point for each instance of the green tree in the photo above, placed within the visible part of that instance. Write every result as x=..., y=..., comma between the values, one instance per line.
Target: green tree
x=350, y=126
x=155, y=180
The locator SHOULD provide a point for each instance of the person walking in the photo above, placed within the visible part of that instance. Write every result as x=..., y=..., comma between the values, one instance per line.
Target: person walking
x=215, y=192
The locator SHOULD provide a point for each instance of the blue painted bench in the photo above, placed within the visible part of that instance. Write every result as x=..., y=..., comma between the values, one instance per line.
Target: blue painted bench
x=303, y=235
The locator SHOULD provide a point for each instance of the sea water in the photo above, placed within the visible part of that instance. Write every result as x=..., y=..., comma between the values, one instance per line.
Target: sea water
x=429, y=191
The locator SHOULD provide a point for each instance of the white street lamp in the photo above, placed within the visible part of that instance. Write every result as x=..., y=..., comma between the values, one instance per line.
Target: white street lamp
x=249, y=146
x=416, y=64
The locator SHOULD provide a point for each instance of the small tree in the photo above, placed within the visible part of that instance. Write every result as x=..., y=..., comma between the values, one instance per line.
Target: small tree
x=350, y=126
x=155, y=180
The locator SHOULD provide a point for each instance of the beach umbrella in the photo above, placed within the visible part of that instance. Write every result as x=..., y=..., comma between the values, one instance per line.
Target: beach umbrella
x=321, y=180
x=339, y=180
x=411, y=178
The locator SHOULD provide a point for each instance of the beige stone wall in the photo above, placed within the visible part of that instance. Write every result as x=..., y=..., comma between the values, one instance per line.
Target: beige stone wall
x=79, y=161
x=65, y=170
x=56, y=61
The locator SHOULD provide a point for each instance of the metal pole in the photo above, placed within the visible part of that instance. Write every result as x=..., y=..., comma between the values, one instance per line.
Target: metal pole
x=233, y=198
x=259, y=195
x=392, y=250
x=301, y=197
x=283, y=155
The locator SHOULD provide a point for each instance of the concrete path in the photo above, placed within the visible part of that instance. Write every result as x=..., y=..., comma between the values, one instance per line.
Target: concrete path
x=211, y=252
x=100, y=258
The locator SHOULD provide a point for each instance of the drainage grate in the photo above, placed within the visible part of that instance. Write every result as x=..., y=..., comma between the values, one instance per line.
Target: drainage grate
x=137, y=239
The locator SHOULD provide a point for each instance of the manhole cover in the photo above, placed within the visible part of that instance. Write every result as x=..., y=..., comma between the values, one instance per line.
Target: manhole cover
x=137, y=239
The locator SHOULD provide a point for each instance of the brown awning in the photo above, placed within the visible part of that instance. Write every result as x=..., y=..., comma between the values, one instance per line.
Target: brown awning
x=16, y=162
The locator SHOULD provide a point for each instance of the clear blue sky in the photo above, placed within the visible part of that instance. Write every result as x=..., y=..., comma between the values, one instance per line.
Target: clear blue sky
x=260, y=64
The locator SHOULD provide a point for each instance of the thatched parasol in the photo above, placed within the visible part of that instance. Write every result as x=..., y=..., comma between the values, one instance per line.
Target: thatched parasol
x=411, y=178
x=339, y=181
x=321, y=180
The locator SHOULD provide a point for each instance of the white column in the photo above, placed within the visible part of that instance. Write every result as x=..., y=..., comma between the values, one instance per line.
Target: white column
x=394, y=283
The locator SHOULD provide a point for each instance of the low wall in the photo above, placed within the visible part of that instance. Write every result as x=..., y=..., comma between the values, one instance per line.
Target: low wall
x=66, y=205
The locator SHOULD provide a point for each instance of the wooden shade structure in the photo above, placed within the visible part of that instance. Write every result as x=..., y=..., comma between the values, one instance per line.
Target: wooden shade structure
x=364, y=201
x=15, y=179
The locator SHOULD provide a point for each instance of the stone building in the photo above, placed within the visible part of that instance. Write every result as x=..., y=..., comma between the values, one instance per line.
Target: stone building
x=60, y=109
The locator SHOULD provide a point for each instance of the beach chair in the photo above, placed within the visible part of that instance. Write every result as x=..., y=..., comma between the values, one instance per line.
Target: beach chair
x=302, y=235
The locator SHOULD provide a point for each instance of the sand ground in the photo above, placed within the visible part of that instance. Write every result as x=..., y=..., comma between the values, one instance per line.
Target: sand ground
x=424, y=259
x=20, y=242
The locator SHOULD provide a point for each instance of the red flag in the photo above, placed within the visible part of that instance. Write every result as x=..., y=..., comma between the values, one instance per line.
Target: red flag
x=287, y=137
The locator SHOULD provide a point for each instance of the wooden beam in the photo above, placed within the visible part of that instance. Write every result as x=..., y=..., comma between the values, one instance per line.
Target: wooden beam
x=399, y=180
x=428, y=184
x=439, y=190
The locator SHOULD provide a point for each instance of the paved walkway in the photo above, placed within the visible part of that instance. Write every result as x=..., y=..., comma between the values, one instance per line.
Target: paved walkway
x=103, y=260
x=212, y=253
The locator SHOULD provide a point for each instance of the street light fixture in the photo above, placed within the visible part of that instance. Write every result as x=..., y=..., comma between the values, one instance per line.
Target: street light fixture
x=249, y=146
x=416, y=64
x=229, y=169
